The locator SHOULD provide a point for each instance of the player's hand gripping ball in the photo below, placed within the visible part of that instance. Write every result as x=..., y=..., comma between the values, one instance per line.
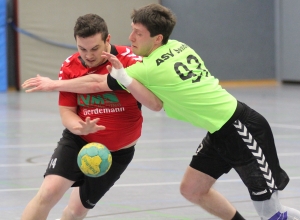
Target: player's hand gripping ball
x=94, y=159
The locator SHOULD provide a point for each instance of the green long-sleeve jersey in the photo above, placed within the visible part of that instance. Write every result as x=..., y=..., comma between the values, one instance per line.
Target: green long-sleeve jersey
x=177, y=75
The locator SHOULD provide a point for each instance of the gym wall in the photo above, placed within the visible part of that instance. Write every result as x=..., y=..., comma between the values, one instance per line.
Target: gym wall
x=242, y=40
x=236, y=39
x=54, y=20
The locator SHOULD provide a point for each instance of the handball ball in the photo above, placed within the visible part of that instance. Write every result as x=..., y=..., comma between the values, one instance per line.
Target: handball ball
x=94, y=159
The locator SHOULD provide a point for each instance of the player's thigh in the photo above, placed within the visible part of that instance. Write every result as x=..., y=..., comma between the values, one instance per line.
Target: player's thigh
x=196, y=182
x=63, y=161
x=207, y=159
x=206, y=166
x=54, y=187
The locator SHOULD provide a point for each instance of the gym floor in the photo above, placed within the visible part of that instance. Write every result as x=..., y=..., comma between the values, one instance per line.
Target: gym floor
x=149, y=189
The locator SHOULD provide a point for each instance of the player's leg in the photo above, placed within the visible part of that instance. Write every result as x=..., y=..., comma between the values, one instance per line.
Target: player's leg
x=261, y=171
x=273, y=210
x=74, y=210
x=197, y=188
x=50, y=192
x=93, y=189
x=60, y=175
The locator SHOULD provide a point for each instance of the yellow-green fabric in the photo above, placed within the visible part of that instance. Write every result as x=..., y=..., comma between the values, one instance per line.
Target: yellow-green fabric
x=177, y=75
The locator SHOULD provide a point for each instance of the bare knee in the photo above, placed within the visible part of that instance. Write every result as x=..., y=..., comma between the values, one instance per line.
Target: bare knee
x=192, y=192
x=48, y=195
x=52, y=189
x=185, y=191
x=195, y=185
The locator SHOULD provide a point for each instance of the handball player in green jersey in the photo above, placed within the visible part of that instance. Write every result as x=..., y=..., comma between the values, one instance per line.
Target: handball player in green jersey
x=238, y=137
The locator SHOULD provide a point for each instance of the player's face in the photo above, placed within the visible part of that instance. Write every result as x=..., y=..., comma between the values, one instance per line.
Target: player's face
x=141, y=42
x=90, y=49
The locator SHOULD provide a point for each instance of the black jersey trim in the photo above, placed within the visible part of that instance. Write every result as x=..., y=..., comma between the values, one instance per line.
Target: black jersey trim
x=82, y=61
x=113, y=84
x=113, y=50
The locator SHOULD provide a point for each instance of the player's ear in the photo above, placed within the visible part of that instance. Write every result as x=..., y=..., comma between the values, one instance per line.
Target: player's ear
x=108, y=38
x=159, y=38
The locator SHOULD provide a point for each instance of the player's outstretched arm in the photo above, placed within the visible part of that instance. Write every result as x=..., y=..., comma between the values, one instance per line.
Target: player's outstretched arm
x=138, y=90
x=38, y=83
x=86, y=84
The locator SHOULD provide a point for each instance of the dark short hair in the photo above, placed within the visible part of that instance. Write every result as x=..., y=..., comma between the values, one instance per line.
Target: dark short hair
x=157, y=19
x=89, y=25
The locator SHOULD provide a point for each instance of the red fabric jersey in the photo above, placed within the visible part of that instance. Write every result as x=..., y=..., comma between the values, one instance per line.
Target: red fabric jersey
x=118, y=110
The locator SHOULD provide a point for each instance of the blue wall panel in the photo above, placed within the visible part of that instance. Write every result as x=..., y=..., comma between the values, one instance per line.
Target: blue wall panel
x=3, y=60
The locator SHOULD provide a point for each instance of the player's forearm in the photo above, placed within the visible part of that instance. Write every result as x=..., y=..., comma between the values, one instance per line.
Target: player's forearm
x=70, y=120
x=85, y=84
x=139, y=91
x=144, y=96
x=69, y=85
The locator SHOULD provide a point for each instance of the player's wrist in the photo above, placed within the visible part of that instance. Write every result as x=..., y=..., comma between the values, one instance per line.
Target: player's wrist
x=121, y=76
x=56, y=85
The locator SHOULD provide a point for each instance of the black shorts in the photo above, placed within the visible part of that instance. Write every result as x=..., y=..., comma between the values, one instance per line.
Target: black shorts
x=245, y=143
x=64, y=163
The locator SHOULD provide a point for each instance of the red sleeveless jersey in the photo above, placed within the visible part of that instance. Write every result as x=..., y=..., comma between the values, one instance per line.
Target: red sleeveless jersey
x=118, y=110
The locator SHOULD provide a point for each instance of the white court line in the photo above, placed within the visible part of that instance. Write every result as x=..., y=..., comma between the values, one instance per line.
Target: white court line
x=189, y=158
x=51, y=146
x=136, y=160
x=139, y=142
x=138, y=184
x=285, y=126
x=139, y=160
x=151, y=141
x=23, y=165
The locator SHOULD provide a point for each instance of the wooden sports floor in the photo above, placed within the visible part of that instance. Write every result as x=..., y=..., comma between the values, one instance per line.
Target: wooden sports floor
x=30, y=128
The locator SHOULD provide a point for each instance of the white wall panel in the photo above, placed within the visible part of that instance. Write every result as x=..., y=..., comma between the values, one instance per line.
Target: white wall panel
x=55, y=20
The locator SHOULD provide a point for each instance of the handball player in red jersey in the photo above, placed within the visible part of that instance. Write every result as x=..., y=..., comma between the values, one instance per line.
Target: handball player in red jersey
x=95, y=117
